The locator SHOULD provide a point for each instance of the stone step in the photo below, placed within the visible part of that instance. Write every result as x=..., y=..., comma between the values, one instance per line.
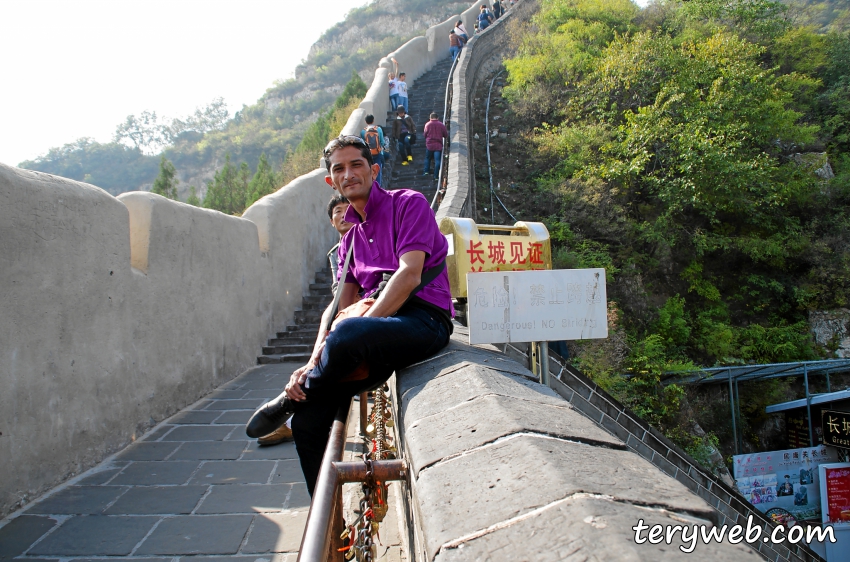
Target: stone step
x=283, y=358
x=306, y=319
x=319, y=299
x=320, y=287
x=287, y=349
x=301, y=339
x=301, y=328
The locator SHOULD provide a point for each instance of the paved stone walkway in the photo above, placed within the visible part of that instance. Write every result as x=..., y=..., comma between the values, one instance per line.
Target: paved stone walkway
x=195, y=486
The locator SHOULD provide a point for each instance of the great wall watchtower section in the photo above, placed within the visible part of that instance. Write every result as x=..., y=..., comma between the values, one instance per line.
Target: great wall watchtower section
x=119, y=312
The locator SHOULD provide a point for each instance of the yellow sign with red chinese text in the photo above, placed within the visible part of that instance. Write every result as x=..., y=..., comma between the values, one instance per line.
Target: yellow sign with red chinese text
x=474, y=248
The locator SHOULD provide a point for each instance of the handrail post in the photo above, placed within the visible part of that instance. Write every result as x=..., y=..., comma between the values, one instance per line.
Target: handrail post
x=318, y=534
x=364, y=412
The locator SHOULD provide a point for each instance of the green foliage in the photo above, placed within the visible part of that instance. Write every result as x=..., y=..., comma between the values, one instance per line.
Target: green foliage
x=166, y=182
x=193, y=197
x=687, y=148
x=228, y=190
x=113, y=167
x=263, y=182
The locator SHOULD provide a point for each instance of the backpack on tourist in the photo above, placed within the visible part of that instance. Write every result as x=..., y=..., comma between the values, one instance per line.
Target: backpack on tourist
x=373, y=140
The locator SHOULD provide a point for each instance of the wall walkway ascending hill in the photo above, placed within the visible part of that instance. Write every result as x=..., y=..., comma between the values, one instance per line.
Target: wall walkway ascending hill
x=117, y=312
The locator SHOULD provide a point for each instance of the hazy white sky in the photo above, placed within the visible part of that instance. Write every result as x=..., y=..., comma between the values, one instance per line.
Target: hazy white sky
x=77, y=68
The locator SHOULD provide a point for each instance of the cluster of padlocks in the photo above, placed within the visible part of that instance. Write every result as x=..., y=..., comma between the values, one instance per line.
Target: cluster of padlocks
x=373, y=505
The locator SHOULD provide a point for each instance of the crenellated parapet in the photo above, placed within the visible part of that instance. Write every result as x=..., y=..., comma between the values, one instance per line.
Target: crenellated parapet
x=115, y=313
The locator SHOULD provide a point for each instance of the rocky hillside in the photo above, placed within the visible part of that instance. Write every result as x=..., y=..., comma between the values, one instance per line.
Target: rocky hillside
x=274, y=125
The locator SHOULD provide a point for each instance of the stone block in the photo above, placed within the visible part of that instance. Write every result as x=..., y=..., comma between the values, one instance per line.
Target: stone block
x=195, y=417
x=234, y=472
x=483, y=420
x=154, y=500
x=236, y=417
x=242, y=404
x=100, y=477
x=287, y=471
x=586, y=528
x=209, y=450
x=276, y=532
x=298, y=498
x=158, y=433
x=510, y=478
x=193, y=534
x=224, y=394
x=17, y=536
x=243, y=498
x=199, y=433
x=156, y=473
x=145, y=451
x=238, y=433
x=78, y=500
x=451, y=359
x=95, y=535
x=464, y=383
x=275, y=452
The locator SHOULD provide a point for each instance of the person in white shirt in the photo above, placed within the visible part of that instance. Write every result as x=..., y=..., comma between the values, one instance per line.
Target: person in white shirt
x=401, y=86
x=393, y=90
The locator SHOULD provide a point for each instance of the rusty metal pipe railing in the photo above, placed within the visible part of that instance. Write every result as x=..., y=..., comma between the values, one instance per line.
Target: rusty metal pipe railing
x=382, y=471
x=316, y=541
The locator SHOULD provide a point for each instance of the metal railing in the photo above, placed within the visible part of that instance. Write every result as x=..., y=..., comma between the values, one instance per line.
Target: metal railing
x=444, y=162
x=321, y=541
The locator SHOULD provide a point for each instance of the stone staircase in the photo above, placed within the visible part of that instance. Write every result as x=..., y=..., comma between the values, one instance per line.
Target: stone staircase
x=296, y=344
x=427, y=94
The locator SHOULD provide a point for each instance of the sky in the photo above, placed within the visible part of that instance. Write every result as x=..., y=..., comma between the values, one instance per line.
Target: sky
x=78, y=68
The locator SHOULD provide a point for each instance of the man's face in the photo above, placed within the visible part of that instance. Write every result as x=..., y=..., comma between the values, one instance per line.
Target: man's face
x=351, y=174
x=338, y=219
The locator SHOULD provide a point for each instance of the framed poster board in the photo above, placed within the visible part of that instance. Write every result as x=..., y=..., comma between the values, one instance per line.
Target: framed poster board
x=835, y=499
x=784, y=483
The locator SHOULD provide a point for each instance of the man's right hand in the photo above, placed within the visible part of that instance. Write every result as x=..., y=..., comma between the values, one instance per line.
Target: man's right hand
x=294, y=388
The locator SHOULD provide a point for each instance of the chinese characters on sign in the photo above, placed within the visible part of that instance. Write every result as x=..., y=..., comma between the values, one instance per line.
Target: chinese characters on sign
x=783, y=479
x=837, y=494
x=836, y=428
x=529, y=254
x=552, y=305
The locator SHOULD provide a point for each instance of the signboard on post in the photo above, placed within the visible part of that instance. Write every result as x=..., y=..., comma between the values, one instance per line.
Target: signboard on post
x=528, y=306
x=836, y=428
x=477, y=248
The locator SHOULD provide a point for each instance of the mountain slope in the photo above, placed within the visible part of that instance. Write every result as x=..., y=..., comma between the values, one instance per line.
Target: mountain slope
x=275, y=124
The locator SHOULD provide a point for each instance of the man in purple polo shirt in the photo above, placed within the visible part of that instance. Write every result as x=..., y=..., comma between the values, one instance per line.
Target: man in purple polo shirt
x=395, y=235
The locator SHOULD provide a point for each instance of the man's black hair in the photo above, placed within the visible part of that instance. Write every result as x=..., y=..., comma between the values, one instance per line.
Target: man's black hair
x=347, y=140
x=335, y=200
x=370, y=119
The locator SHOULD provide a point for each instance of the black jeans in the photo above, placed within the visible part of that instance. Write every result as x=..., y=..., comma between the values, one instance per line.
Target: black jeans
x=386, y=344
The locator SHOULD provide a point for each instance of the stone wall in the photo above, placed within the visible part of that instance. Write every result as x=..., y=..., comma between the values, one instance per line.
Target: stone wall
x=117, y=312
x=481, y=56
x=503, y=468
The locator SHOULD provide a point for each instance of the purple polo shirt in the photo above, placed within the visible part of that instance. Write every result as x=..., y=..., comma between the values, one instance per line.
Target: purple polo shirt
x=397, y=222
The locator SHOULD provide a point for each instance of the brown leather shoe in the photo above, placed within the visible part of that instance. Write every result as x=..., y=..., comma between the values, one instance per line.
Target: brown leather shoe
x=280, y=435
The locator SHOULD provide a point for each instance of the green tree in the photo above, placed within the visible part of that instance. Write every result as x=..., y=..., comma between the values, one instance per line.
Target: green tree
x=263, y=182
x=227, y=191
x=193, y=197
x=166, y=182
